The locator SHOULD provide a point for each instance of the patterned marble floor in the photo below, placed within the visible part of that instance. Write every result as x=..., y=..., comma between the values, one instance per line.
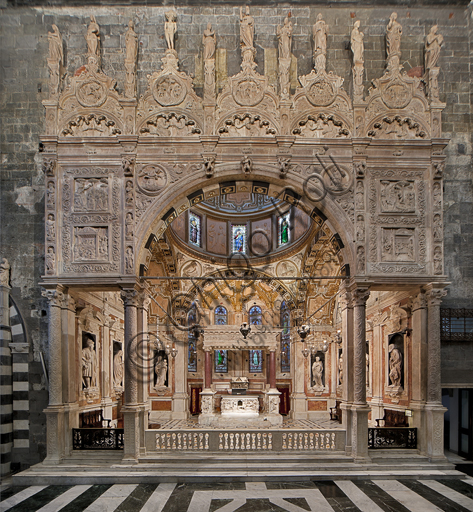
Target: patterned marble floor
x=287, y=424
x=403, y=495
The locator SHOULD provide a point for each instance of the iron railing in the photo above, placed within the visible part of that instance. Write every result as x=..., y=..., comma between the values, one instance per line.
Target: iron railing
x=97, y=438
x=392, y=437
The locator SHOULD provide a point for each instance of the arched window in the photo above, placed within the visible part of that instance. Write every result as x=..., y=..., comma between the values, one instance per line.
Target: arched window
x=221, y=316
x=194, y=229
x=256, y=316
x=284, y=230
x=285, y=338
x=191, y=341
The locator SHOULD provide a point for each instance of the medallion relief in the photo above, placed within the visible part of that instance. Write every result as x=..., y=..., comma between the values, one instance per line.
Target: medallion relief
x=248, y=91
x=169, y=90
x=321, y=93
x=91, y=93
x=151, y=179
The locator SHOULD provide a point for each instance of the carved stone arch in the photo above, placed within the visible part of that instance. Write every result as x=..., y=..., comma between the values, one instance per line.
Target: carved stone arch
x=174, y=122
x=247, y=123
x=175, y=200
x=86, y=123
x=336, y=125
x=398, y=126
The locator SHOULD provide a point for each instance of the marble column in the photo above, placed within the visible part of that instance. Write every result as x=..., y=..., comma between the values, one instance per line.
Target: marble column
x=146, y=369
x=130, y=409
x=6, y=413
x=360, y=408
x=434, y=409
x=180, y=399
x=345, y=301
x=419, y=369
x=55, y=442
x=70, y=356
x=377, y=383
x=208, y=370
x=272, y=369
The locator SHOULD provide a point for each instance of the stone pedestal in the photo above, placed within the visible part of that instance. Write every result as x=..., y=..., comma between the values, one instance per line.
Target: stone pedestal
x=434, y=430
x=131, y=426
x=271, y=407
x=55, y=445
x=359, y=429
x=207, y=400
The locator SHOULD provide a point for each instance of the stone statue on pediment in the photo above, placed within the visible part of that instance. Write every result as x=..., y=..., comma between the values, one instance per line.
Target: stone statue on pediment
x=131, y=41
x=433, y=42
x=247, y=28
x=284, y=34
x=393, y=35
x=357, y=46
x=170, y=27
x=93, y=37
x=320, y=30
x=208, y=40
x=4, y=272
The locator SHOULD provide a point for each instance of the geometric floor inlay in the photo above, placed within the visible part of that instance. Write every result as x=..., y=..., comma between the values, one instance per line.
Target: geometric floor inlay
x=400, y=495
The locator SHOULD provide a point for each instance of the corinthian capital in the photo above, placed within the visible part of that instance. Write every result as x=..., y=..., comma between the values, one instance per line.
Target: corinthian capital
x=435, y=295
x=55, y=297
x=130, y=297
x=360, y=296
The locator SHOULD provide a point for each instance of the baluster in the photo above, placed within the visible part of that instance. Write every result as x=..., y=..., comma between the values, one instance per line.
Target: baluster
x=206, y=441
x=253, y=441
x=317, y=441
x=284, y=436
x=179, y=447
x=174, y=441
x=333, y=441
x=231, y=441
x=306, y=445
x=258, y=446
x=264, y=441
x=311, y=440
x=248, y=445
x=201, y=437
x=289, y=441
x=158, y=444
x=220, y=441
x=270, y=441
x=184, y=441
x=196, y=446
x=226, y=441
x=168, y=441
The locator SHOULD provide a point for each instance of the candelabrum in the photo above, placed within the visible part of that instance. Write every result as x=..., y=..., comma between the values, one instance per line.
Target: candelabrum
x=315, y=346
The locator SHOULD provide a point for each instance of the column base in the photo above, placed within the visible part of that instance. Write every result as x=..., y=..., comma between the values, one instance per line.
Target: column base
x=434, y=413
x=55, y=441
x=131, y=424
x=359, y=429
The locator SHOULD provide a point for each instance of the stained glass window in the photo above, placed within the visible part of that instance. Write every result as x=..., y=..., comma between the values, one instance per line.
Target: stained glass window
x=221, y=316
x=256, y=361
x=285, y=338
x=194, y=229
x=239, y=238
x=192, y=343
x=221, y=361
x=284, y=230
x=256, y=316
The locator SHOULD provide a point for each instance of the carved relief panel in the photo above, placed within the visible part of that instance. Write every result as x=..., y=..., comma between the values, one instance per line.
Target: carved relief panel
x=91, y=227
x=397, y=235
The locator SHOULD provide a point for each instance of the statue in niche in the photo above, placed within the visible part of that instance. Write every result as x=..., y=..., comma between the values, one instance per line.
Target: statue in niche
x=131, y=41
x=437, y=260
x=170, y=27
x=284, y=34
x=209, y=42
x=393, y=36
x=129, y=193
x=89, y=364
x=93, y=36
x=50, y=227
x=161, y=370
x=360, y=229
x=433, y=42
x=340, y=369
x=129, y=259
x=4, y=272
x=50, y=262
x=395, y=366
x=50, y=194
x=357, y=46
x=317, y=372
x=320, y=30
x=118, y=369
x=247, y=28
x=129, y=225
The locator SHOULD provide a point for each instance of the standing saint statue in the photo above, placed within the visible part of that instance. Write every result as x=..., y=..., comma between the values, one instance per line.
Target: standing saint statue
x=161, y=370
x=317, y=371
x=88, y=364
x=393, y=35
x=118, y=369
x=284, y=34
x=93, y=36
x=433, y=42
x=56, y=52
x=4, y=272
x=357, y=46
x=209, y=42
x=320, y=30
x=247, y=28
x=170, y=27
x=395, y=366
x=131, y=41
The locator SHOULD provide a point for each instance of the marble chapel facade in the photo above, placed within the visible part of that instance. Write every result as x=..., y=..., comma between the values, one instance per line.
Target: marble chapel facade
x=242, y=261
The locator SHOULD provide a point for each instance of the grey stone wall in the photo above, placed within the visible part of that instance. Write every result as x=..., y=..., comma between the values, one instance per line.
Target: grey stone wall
x=24, y=79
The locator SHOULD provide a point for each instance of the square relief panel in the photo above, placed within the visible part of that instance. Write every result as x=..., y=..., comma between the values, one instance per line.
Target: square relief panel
x=91, y=244
x=91, y=194
x=397, y=196
x=398, y=245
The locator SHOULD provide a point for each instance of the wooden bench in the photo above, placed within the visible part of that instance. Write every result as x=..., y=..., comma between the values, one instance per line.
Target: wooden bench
x=393, y=418
x=91, y=419
x=336, y=412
